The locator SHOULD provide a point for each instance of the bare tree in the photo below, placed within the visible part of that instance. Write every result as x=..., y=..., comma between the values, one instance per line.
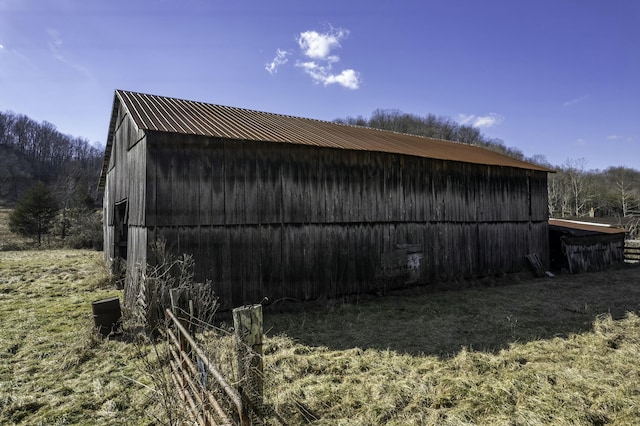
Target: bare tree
x=625, y=184
x=579, y=185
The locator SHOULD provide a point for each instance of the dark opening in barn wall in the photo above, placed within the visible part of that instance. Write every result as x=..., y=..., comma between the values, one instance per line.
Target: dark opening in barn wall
x=304, y=209
x=121, y=225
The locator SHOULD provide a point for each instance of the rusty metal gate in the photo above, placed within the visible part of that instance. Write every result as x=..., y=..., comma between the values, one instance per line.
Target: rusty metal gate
x=188, y=363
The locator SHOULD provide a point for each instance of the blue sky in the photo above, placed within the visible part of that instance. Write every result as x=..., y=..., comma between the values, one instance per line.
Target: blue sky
x=555, y=78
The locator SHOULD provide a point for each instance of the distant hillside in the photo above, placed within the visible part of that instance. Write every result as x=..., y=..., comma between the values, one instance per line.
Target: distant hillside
x=32, y=151
x=17, y=173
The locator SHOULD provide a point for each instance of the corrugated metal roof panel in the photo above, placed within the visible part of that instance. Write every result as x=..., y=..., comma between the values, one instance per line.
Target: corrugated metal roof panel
x=165, y=114
x=584, y=228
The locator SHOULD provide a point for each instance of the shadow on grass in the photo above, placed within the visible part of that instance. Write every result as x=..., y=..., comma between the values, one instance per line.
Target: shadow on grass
x=481, y=318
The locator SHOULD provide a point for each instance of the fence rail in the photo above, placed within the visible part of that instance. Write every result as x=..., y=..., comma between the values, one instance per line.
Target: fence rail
x=632, y=251
x=204, y=406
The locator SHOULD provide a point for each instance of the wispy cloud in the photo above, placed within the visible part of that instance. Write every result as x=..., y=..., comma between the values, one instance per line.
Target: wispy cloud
x=280, y=59
x=481, y=121
x=580, y=142
x=317, y=58
x=577, y=100
x=620, y=138
x=56, y=47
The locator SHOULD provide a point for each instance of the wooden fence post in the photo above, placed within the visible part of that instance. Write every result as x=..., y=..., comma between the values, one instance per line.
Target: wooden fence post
x=247, y=322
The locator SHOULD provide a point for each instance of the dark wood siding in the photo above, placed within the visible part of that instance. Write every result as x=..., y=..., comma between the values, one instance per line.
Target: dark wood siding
x=279, y=220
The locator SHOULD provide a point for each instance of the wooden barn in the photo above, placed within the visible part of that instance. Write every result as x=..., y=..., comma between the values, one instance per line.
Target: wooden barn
x=584, y=247
x=285, y=207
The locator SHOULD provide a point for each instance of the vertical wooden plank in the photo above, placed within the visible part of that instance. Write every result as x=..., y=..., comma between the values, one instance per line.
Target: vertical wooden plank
x=355, y=172
x=368, y=192
x=270, y=261
x=250, y=184
x=216, y=157
x=163, y=178
x=151, y=193
x=235, y=208
x=306, y=251
x=191, y=164
x=313, y=184
x=379, y=188
x=333, y=256
x=324, y=214
x=293, y=262
x=180, y=208
x=332, y=194
x=288, y=177
x=252, y=287
x=204, y=171
x=269, y=192
x=394, y=181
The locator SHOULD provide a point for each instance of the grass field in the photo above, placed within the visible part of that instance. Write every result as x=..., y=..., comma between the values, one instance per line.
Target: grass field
x=9, y=240
x=564, y=350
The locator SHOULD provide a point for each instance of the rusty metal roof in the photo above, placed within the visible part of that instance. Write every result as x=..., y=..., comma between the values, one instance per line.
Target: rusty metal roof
x=163, y=114
x=579, y=228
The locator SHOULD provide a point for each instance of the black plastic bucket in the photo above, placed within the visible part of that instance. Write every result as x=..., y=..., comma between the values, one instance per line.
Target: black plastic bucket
x=106, y=314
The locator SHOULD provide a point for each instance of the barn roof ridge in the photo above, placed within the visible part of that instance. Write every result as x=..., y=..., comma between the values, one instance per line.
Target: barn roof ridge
x=182, y=116
x=296, y=117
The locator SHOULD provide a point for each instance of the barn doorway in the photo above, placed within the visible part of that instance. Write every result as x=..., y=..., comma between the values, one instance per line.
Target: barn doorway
x=121, y=231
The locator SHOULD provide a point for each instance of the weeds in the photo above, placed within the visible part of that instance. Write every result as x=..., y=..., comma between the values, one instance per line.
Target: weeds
x=168, y=283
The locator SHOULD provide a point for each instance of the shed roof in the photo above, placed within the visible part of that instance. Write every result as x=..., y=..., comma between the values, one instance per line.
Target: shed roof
x=578, y=228
x=164, y=114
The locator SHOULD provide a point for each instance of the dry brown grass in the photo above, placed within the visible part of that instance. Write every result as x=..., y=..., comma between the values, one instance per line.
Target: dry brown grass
x=564, y=350
x=552, y=351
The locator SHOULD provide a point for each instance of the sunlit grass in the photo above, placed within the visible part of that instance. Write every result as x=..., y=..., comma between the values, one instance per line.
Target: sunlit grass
x=53, y=367
x=547, y=351
x=558, y=351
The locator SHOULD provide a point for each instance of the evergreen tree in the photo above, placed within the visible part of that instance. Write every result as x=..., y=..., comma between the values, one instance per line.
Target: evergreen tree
x=34, y=214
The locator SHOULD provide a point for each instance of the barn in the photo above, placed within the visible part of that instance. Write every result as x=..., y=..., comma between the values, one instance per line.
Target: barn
x=279, y=207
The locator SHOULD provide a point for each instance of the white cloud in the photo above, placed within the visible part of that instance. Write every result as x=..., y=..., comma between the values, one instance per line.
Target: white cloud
x=577, y=100
x=614, y=137
x=347, y=78
x=581, y=142
x=321, y=74
x=280, y=59
x=1, y=46
x=490, y=120
x=319, y=47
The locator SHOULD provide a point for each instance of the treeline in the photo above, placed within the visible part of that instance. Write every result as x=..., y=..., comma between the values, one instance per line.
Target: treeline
x=433, y=126
x=574, y=191
x=34, y=154
x=31, y=151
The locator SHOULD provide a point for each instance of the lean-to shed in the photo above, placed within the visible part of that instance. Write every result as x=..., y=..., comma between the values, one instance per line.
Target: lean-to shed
x=278, y=206
x=584, y=247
